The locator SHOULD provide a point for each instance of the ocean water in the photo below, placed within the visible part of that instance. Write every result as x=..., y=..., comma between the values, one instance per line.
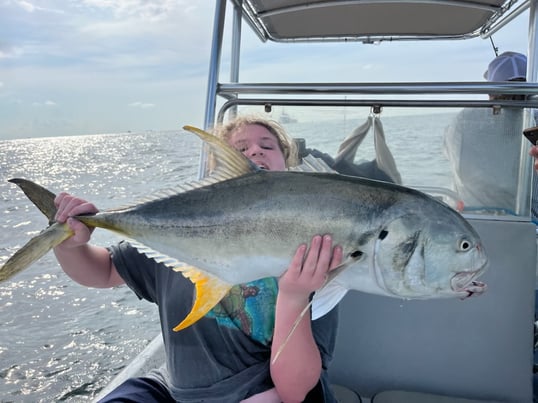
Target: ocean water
x=60, y=341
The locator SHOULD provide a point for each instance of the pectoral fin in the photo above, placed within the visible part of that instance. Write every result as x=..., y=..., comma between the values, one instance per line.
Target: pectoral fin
x=209, y=291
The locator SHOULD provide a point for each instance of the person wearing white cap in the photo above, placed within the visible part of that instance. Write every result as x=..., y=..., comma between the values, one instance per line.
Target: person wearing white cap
x=508, y=66
x=483, y=145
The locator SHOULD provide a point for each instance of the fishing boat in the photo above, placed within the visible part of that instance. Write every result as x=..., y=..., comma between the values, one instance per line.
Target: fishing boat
x=390, y=350
x=286, y=118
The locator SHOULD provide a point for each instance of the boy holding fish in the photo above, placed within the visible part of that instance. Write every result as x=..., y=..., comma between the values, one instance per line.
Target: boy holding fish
x=226, y=355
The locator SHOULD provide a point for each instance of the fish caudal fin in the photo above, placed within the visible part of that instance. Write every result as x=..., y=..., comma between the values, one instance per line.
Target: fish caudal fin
x=38, y=246
x=209, y=291
x=34, y=249
x=41, y=197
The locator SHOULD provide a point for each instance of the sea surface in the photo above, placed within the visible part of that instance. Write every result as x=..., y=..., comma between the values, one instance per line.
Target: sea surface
x=60, y=341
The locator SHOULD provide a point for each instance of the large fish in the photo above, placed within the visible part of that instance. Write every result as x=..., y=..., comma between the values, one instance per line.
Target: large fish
x=242, y=223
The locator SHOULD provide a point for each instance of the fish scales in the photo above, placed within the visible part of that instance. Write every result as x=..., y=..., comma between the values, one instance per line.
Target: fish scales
x=243, y=224
x=260, y=212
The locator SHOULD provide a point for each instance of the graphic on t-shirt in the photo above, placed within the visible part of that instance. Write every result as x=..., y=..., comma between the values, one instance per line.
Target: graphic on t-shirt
x=249, y=307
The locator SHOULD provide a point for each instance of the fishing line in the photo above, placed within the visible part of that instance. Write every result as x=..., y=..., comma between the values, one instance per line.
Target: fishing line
x=495, y=48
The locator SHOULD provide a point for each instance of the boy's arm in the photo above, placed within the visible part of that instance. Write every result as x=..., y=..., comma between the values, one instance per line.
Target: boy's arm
x=298, y=368
x=86, y=264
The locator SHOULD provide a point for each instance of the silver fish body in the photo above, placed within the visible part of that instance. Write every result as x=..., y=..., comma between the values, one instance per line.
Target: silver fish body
x=243, y=224
x=404, y=243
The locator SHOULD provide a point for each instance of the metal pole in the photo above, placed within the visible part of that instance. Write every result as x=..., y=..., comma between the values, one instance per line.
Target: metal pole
x=524, y=194
x=212, y=81
x=214, y=62
x=236, y=48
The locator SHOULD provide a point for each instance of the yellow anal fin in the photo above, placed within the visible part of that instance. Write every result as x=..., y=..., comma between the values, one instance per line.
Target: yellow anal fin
x=209, y=291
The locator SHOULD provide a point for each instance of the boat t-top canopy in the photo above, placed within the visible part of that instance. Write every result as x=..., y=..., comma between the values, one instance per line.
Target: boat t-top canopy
x=376, y=20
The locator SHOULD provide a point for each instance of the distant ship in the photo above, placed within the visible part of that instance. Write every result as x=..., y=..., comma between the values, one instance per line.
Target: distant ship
x=285, y=118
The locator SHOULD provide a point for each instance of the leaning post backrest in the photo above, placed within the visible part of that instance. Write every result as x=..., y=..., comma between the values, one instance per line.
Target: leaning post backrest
x=480, y=348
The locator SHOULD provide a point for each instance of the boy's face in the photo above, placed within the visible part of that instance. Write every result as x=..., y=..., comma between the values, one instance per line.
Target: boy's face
x=260, y=146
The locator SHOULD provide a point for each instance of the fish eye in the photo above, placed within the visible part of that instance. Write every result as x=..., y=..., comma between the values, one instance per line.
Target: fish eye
x=465, y=245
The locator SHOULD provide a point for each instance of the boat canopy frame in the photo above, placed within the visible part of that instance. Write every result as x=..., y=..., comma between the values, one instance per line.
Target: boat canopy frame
x=377, y=20
x=236, y=91
x=373, y=95
x=499, y=12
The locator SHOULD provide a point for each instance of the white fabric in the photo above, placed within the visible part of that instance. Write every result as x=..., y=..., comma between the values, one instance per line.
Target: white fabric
x=384, y=158
x=484, y=152
x=327, y=298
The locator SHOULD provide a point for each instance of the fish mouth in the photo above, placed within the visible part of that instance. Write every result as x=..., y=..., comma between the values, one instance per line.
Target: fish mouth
x=464, y=283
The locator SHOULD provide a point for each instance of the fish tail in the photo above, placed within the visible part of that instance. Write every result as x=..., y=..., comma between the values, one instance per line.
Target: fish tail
x=42, y=243
x=41, y=197
x=34, y=249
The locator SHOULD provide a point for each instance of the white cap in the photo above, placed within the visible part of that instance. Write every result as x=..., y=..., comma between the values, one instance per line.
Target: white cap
x=507, y=66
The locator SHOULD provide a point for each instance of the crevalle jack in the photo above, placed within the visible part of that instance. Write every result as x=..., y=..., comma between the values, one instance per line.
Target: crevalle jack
x=242, y=223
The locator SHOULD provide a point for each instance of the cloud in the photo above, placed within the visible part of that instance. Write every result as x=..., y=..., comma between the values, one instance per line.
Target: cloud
x=141, y=105
x=45, y=103
x=94, y=57
x=141, y=9
x=9, y=52
x=26, y=6
x=31, y=8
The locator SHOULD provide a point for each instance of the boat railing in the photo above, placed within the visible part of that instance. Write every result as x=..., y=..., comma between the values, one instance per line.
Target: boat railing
x=378, y=96
x=373, y=103
x=506, y=87
x=360, y=94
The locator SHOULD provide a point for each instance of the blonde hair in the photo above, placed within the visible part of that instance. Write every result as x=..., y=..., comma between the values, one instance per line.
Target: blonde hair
x=285, y=142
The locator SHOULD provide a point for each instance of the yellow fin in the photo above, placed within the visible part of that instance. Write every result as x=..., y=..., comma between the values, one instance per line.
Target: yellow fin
x=230, y=163
x=209, y=291
x=209, y=288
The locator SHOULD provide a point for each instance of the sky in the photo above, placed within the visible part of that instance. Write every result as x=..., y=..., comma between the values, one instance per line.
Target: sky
x=73, y=67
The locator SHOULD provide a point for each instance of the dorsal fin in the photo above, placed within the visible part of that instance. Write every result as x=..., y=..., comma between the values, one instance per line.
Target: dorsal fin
x=229, y=163
x=168, y=192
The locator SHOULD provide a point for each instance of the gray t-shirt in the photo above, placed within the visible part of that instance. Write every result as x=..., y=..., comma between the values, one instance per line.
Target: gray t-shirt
x=225, y=355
